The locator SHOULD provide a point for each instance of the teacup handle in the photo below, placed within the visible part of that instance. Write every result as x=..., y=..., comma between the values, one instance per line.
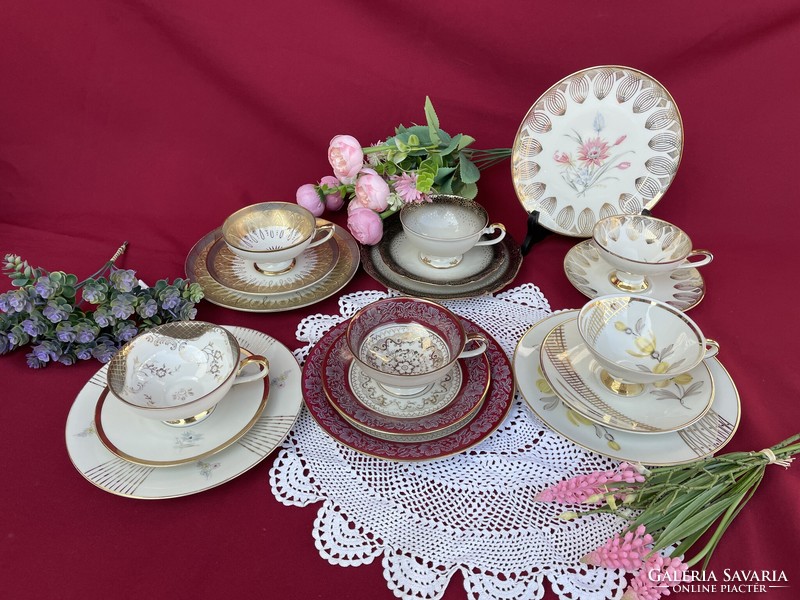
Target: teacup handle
x=478, y=338
x=328, y=232
x=257, y=359
x=491, y=229
x=707, y=257
x=712, y=348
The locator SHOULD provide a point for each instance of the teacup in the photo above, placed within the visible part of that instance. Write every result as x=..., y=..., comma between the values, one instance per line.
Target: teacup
x=638, y=341
x=273, y=234
x=638, y=246
x=445, y=229
x=406, y=344
x=178, y=372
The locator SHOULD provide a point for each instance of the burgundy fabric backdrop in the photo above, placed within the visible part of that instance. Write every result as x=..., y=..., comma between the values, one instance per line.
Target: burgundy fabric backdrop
x=151, y=121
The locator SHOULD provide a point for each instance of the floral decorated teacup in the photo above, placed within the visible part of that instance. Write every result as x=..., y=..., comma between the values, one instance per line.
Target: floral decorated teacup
x=178, y=372
x=638, y=340
x=446, y=228
x=273, y=234
x=638, y=246
x=406, y=344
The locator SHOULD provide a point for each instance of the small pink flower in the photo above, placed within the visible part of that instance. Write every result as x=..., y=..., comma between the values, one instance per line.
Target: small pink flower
x=333, y=201
x=593, y=151
x=657, y=576
x=620, y=139
x=562, y=157
x=623, y=165
x=627, y=552
x=346, y=157
x=308, y=197
x=372, y=191
x=588, y=489
x=366, y=226
x=406, y=187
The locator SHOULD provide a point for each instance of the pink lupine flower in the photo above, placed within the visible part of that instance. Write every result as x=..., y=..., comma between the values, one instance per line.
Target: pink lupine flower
x=623, y=165
x=657, y=576
x=365, y=225
x=345, y=157
x=620, y=139
x=627, y=552
x=593, y=151
x=332, y=201
x=406, y=187
x=308, y=197
x=372, y=191
x=589, y=489
x=562, y=157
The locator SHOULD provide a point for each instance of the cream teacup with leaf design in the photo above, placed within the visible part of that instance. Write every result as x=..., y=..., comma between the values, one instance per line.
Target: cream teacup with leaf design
x=638, y=340
x=639, y=246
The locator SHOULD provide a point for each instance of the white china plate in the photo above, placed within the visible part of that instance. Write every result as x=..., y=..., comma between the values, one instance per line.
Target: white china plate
x=154, y=443
x=705, y=438
x=107, y=471
x=589, y=272
x=574, y=376
x=603, y=141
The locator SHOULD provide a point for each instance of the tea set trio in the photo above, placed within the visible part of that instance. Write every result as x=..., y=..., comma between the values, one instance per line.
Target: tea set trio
x=629, y=375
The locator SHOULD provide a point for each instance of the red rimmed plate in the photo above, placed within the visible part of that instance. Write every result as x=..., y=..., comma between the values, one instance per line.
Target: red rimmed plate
x=340, y=382
x=491, y=413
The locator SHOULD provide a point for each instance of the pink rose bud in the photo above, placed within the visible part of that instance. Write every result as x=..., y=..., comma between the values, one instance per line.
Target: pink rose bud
x=308, y=197
x=623, y=165
x=373, y=192
x=561, y=157
x=332, y=201
x=365, y=225
x=346, y=157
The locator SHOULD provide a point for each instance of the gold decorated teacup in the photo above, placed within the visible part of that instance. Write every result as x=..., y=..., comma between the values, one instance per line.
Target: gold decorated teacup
x=178, y=372
x=638, y=246
x=273, y=234
x=638, y=340
x=406, y=344
x=443, y=230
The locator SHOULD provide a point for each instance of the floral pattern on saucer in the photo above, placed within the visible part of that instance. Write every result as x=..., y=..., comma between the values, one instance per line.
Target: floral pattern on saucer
x=591, y=276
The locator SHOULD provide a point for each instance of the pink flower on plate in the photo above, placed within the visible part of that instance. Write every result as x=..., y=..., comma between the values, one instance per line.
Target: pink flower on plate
x=366, y=225
x=627, y=552
x=620, y=139
x=372, y=191
x=308, y=197
x=593, y=151
x=562, y=157
x=346, y=157
x=332, y=201
x=406, y=187
x=657, y=576
x=623, y=165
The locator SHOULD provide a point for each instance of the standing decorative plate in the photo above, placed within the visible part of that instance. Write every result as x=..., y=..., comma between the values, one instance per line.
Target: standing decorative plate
x=113, y=474
x=602, y=141
x=704, y=438
x=346, y=266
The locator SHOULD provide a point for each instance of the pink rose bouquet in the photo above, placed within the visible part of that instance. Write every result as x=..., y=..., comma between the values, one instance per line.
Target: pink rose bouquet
x=668, y=510
x=407, y=167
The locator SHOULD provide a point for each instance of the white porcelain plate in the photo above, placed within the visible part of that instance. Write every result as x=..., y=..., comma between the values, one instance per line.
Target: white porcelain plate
x=568, y=366
x=603, y=141
x=118, y=476
x=704, y=438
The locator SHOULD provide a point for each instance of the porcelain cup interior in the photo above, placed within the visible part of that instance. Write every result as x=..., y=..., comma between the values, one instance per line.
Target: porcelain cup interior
x=445, y=228
x=273, y=234
x=638, y=340
x=638, y=246
x=179, y=371
x=406, y=344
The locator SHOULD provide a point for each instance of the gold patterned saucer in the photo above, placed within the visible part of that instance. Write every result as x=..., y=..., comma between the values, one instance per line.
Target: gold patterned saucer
x=346, y=266
x=237, y=274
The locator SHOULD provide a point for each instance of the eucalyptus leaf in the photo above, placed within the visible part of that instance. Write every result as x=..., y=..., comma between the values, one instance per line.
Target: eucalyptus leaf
x=469, y=172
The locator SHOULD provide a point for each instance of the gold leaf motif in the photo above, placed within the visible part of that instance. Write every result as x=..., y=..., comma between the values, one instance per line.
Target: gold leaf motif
x=579, y=89
x=603, y=82
x=533, y=191
x=660, y=166
x=645, y=101
x=566, y=217
x=660, y=119
x=648, y=187
x=538, y=122
x=630, y=204
x=666, y=141
x=529, y=146
x=555, y=103
x=549, y=204
x=606, y=210
x=628, y=87
x=586, y=221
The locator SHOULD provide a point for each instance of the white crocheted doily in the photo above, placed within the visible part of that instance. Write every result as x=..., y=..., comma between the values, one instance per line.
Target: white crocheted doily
x=472, y=512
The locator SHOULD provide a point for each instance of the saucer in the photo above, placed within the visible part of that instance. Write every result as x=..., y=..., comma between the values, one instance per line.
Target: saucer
x=196, y=268
x=490, y=415
x=104, y=469
x=353, y=397
x=591, y=275
x=399, y=254
x=507, y=256
x=154, y=443
x=574, y=376
x=603, y=141
x=235, y=273
x=704, y=438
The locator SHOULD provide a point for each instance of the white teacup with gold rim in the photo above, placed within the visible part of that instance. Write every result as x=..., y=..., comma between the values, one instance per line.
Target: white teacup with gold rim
x=273, y=234
x=406, y=344
x=443, y=230
x=638, y=246
x=638, y=340
x=178, y=372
